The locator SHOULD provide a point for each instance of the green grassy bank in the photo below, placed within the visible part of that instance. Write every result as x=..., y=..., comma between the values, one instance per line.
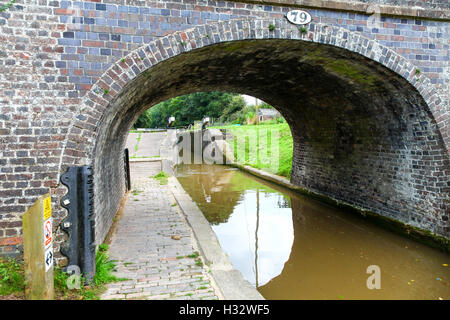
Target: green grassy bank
x=258, y=143
x=12, y=279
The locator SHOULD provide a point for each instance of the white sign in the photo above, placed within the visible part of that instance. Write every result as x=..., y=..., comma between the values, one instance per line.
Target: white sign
x=48, y=233
x=298, y=17
x=48, y=258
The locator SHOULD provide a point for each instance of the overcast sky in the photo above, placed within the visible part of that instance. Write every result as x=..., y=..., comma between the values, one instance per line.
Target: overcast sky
x=249, y=100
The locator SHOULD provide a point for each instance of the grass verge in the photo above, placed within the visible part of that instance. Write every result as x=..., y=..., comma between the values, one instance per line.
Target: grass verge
x=258, y=150
x=12, y=279
x=104, y=267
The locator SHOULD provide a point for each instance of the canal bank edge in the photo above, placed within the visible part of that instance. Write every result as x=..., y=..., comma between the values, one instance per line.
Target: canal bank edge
x=418, y=234
x=228, y=280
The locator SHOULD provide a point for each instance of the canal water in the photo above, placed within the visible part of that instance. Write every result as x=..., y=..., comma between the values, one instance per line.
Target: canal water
x=292, y=247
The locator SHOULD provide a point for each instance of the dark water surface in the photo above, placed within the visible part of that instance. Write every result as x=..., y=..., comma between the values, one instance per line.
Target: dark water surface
x=292, y=247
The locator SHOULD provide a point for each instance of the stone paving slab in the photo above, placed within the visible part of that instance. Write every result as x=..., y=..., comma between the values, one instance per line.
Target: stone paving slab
x=145, y=145
x=156, y=265
x=149, y=145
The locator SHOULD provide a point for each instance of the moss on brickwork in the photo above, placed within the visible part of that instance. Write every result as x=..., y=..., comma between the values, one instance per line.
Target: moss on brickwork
x=237, y=45
x=418, y=234
x=350, y=70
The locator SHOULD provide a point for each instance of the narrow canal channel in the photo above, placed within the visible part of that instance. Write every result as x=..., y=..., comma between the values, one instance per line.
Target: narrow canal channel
x=292, y=247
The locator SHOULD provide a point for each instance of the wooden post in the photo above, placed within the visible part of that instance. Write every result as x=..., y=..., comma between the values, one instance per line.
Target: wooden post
x=38, y=250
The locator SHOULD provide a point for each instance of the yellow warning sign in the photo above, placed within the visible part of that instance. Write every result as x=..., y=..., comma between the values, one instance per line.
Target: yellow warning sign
x=47, y=208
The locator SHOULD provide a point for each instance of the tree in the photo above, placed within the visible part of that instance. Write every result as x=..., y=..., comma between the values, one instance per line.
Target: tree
x=189, y=108
x=230, y=113
x=143, y=121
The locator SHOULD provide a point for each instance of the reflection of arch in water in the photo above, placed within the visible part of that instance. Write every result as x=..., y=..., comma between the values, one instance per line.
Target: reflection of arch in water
x=272, y=256
x=302, y=273
x=252, y=221
x=258, y=242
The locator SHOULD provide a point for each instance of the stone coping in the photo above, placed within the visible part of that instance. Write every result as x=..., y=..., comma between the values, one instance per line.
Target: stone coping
x=228, y=280
x=359, y=7
x=146, y=159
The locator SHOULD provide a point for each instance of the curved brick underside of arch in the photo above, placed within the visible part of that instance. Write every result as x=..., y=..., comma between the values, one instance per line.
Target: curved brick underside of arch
x=367, y=129
x=149, y=55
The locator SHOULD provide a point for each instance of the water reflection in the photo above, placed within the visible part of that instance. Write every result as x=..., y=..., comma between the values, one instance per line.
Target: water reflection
x=209, y=187
x=257, y=241
x=256, y=221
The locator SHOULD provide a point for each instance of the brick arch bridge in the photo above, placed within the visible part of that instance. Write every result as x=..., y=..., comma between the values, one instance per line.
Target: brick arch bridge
x=369, y=119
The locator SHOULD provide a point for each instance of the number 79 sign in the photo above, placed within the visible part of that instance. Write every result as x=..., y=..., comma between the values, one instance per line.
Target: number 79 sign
x=298, y=17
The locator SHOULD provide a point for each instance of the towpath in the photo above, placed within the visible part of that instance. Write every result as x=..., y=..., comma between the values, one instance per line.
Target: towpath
x=151, y=241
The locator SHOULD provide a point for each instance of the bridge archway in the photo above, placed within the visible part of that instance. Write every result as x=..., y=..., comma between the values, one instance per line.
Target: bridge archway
x=363, y=120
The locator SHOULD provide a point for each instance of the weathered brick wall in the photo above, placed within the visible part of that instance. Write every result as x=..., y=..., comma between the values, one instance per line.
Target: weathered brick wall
x=109, y=177
x=53, y=104
x=386, y=158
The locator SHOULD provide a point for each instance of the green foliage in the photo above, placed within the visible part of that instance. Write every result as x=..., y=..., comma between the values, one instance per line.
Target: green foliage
x=271, y=27
x=12, y=277
x=62, y=292
x=253, y=159
x=138, y=139
x=224, y=107
x=247, y=113
x=193, y=255
x=103, y=275
x=198, y=262
x=162, y=177
x=189, y=108
x=60, y=279
x=265, y=106
x=104, y=266
x=231, y=112
x=241, y=116
x=136, y=192
x=7, y=6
